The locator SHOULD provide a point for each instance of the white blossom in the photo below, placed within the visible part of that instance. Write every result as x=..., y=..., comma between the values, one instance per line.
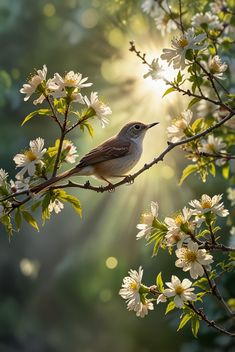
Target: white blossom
x=151, y=7
x=211, y=21
x=164, y=23
x=141, y=308
x=70, y=80
x=131, y=285
x=213, y=145
x=3, y=177
x=175, y=234
x=31, y=157
x=216, y=67
x=231, y=195
x=154, y=71
x=192, y=259
x=232, y=231
x=60, y=86
x=181, y=291
x=101, y=110
x=161, y=298
x=55, y=205
x=180, y=46
x=147, y=220
x=33, y=83
x=70, y=151
x=218, y=5
x=207, y=204
x=21, y=184
x=130, y=292
x=177, y=130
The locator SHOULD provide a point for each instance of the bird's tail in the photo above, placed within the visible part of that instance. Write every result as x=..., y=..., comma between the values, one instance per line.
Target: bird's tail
x=54, y=180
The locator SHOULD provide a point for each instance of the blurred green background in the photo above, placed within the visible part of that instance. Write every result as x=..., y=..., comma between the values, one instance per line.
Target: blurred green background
x=59, y=288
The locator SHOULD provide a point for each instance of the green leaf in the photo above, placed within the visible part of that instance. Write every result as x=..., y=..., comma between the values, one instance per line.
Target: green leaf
x=30, y=219
x=6, y=221
x=34, y=113
x=225, y=171
x=184, y=321
x=193, y=101
x=89, y=128
x=196, y=126
x=18, y=218
x=195, y=324
x=159, y=282
x=187, y=171
x=170, y=307
x=35, y=205
x=212, y=169
x=179, y=77
x=72, y=200
x=45, y=211
x=168, y=91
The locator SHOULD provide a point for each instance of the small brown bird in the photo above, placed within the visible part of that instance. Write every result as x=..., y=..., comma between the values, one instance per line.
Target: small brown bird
x=113, y=158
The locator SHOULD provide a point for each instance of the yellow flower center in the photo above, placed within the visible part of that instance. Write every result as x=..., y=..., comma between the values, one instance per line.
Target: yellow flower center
x=69, y=81
x=30, y=155
x=179, y=290
x=179, y=219
x=182, y=42
x=190, y=256
x=206, y=204
x=133, y=286
x=181, y=124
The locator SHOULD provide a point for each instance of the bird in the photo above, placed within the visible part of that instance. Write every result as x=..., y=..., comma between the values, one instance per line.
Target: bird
x=113, y=158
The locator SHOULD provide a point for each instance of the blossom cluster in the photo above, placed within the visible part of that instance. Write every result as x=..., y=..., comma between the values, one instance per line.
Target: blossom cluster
x=68, y=87
x=187, y=231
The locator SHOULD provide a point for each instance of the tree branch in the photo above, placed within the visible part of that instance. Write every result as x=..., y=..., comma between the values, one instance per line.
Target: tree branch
x=211, y=323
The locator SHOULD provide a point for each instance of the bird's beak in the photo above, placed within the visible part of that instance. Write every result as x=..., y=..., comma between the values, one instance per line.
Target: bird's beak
x=152, y=124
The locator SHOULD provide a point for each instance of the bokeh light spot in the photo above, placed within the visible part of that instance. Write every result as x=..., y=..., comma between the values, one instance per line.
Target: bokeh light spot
x=111, y=262
x=105, y=295
x=89, y=18
x=49, y=9
x=116, y=38
x=29, y=267
x=138, y=25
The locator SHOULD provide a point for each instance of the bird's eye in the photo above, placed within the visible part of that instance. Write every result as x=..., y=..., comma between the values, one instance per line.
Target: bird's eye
x=137, y=127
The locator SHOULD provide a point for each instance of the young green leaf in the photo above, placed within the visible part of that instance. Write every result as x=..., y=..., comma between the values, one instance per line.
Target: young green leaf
x=187, y=171
x=225, y=171
x=168, y=91
x=170, y=307
x=30, y=219
x=195, y=324
x=193, y=101
x=18, y=218
x=159, y=282
x=184, y=321
x=34, y=113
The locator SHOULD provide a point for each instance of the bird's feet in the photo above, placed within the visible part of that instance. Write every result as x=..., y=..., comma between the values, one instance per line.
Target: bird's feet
x=129, y=179
x=111, y=187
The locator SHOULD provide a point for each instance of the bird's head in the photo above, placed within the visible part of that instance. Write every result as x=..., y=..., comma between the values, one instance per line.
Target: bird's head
x=135, y=130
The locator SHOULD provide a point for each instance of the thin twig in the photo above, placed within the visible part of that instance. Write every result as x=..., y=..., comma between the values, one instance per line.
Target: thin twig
x=216, y=293
x=210, y=77
x=211, y=323
x=180, y=12
x=53, y=116
x=62, y=136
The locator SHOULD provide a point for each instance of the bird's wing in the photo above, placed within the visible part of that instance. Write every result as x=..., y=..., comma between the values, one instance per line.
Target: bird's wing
x=111, y=149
